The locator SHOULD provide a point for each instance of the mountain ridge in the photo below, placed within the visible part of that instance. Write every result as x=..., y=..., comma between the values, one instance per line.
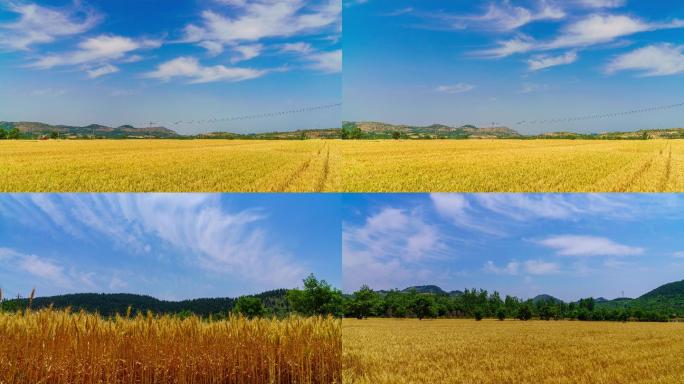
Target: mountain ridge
x=112, y=303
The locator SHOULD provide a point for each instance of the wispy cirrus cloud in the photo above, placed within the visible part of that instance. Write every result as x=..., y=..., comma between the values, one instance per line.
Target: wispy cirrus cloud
x=601, y=3
x=106, y=69
x=41, y=25
x=35, y=266
x=539, y=62
x=587, y=245
x=389, y=248
x=455, y=88
x=194, y=226
x=590, y=30
x=507, y=16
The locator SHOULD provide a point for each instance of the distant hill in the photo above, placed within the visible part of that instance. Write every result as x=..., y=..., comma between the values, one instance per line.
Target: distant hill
x=37, y=129
x=329, y=133
x=545, y=297
x=384, y=130
x=125, y=131
x=112, y=303
x=670, y=133
x=675, y=289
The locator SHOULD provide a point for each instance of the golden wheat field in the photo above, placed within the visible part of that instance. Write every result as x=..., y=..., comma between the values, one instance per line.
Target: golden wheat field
x=169, y=166
x=491, y=351
x=58, y=347
x=513, y=166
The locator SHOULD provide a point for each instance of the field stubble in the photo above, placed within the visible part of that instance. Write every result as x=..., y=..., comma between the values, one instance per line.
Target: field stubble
x=169, y=166
x=58, y=347
x=513, y=166
x=490, y=351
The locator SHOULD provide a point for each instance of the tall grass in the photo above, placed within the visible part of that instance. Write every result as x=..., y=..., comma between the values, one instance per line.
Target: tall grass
x=49, y=346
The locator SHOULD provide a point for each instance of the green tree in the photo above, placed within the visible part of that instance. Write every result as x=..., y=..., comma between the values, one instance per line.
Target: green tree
x=13, y=134
x=524, y=312
x=478, y=314
x=395, y=304
x=351, y=131
x=54, y=135
x=3, y=134
x=364, y=303
x=501, y=314
x=396, y=135
x=317, y=298
x=422, y=305
x=249, y=307
x=587, y=304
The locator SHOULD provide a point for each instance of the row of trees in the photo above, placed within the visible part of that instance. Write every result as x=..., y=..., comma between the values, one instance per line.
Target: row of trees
x=10, y=134
x=479, y=304
x=316, y=298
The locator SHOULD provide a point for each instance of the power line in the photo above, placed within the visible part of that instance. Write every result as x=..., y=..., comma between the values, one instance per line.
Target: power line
x=257, y=116
x=600, y=115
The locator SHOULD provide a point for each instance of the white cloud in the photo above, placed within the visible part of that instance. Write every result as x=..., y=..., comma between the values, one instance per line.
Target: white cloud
x=591, y=30
x=41, y=25
x=520, y=44
x=212, y=47
x=540, y=267
x=388, y=248
x=602, y=3
x=328, y=62
x=678, y=255
x=35, y=266
x=42, y=268
x=455, y=88
x=400, y=11
x=509, y=269
x=546, y=61
x=324, y=61
x=506, y=16
x=532, y=267
x=101, y=71
x=96, y=50
x=456, y=208
x=652, y=60
x=580, y=245
x=190, y=68
x=351, y=3
x=598, y=29
x=246, y=52
x=196, y=226
x=261, y=19
x=533, y=87
x=299, y=47
x=233, y=3
x=51, y=92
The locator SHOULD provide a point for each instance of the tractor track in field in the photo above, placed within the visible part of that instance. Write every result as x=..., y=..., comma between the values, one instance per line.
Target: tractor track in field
x=294, y=176
x=624, y=187
x=326, y=171
x=668, y=170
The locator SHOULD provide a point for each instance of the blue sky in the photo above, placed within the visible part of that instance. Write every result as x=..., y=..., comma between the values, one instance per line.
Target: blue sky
x=171, y=246
x=135, y=61
x=566, y=245
x=512, y=61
